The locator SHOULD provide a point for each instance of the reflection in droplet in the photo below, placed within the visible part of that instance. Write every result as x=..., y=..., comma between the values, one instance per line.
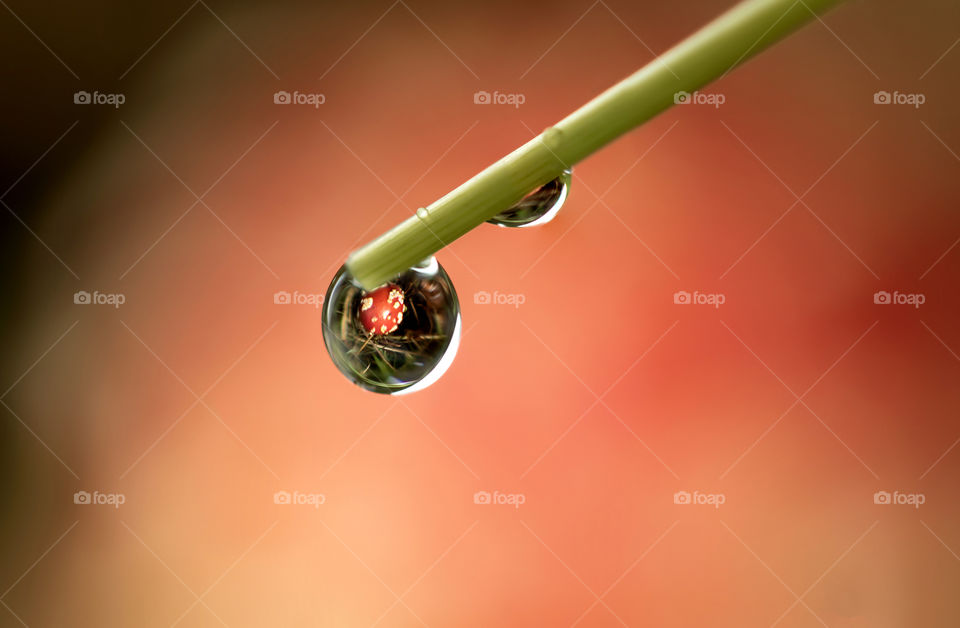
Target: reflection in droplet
x=411, y=347
x=538, y=207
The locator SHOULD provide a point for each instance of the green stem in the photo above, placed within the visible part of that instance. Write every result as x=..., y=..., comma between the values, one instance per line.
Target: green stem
x=711, y=52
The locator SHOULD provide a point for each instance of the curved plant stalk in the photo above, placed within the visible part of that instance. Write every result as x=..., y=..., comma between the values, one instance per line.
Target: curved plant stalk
x=711, y=52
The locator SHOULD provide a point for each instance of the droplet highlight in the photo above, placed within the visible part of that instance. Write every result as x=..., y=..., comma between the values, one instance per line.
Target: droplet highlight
x=538, y=207
x=397, y=339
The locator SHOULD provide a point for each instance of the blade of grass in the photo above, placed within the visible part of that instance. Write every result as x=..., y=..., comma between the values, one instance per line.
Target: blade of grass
x=708, y=54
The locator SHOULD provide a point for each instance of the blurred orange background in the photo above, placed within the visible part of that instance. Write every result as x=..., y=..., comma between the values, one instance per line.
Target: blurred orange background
x=786, y=415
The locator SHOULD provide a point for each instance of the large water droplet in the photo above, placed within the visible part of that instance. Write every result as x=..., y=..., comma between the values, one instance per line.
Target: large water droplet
x=398, y=338
x=538, y=207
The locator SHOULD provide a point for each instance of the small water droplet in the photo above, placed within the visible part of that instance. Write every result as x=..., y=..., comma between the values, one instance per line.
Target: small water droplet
x=422, y=213
x=538, y=207
x=398, y=338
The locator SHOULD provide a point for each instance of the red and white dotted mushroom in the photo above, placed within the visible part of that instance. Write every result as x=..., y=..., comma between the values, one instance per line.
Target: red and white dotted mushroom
x=381, y=310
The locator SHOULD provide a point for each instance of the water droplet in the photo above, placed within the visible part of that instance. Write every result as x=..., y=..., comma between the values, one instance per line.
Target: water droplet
x=422, y=213
x=398, y=338
x=538, y=207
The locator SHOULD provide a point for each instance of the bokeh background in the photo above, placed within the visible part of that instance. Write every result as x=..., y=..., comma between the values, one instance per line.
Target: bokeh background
x=594, y=403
